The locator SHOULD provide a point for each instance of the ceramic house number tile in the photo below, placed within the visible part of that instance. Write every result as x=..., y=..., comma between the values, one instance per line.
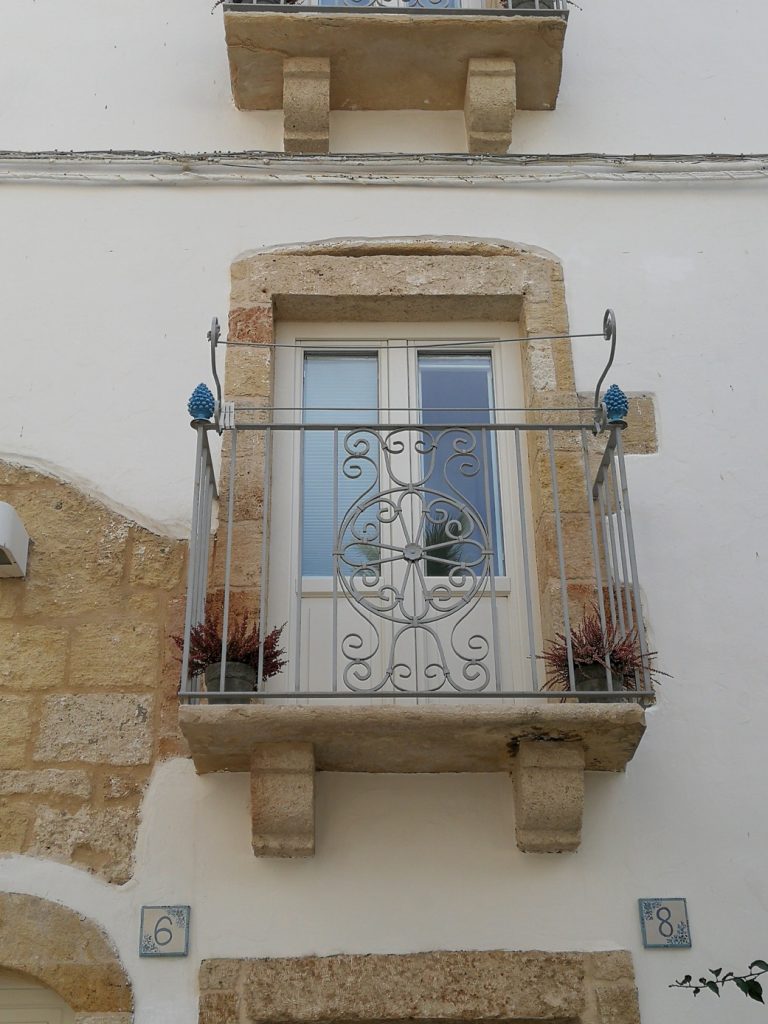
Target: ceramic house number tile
x=164, y=931
x=665, y=923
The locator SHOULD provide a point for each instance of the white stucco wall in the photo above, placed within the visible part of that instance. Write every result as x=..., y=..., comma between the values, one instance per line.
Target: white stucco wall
x=639, y=76
x=107, y=295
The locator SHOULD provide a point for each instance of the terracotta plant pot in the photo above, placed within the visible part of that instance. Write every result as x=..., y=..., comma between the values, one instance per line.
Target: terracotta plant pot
x=239, y=680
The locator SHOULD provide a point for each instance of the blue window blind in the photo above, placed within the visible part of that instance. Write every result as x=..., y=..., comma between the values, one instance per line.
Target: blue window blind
x=332, y=383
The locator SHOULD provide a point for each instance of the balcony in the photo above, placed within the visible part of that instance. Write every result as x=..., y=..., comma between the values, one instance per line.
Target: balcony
x=486, y=57
x=422, y=562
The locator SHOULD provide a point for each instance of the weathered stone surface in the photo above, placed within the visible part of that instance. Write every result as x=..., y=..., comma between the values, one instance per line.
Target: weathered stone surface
x=156, y=562
x=515, y=987
x=407, y=739
x=306, y=104
x=549, y=796
x=15, y=730
x=46, y=782
x=383, y=63
x=283, y=800
x=33, y=657
x=96, y=728
x=115, y=656
x=490, y=102
x=66, y=952
x=102, y=840
x=14, y=820
x=118, y=787
x=103, y=1018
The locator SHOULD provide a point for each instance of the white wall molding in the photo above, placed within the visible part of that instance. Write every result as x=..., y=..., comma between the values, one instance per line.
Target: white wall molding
x=266, y=168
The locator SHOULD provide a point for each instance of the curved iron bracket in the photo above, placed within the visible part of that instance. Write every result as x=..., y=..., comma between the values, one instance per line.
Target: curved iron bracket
x=609, y=333
x=213, y=337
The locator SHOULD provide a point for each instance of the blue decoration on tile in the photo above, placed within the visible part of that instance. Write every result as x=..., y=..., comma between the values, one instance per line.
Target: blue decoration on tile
x=664, y=923
x=201, y=403
x=164, y=931
x=616, y=404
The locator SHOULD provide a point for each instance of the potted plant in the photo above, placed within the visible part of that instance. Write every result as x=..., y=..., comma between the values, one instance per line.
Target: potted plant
x=243, y=653
x=598, y=656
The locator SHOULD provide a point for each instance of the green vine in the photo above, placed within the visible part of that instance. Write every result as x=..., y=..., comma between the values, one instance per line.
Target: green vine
x=746, y=983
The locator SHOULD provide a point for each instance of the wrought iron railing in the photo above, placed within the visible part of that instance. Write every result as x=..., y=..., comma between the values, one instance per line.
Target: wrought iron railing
x=447, y=559
x=541, y=7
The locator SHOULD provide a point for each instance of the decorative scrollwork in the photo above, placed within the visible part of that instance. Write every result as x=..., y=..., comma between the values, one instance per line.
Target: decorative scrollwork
x=413, y=554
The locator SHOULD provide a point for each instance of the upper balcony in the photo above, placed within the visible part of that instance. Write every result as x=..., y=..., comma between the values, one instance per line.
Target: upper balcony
x=423, y=561
x=486, y=57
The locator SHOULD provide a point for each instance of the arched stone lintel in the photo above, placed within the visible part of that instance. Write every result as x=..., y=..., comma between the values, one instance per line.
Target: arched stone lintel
x=69, y=954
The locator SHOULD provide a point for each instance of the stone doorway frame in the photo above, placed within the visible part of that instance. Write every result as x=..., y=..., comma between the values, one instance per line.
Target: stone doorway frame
x=69, y=954
x=521, y=987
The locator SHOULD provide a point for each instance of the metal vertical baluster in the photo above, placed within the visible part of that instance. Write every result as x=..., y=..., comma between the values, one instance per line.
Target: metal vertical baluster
x=299, y=577
x=526, y=563
x=633, y=565
x=604, y=525
x=184, y=682
x=263, y=570
x=620, y=529
x=486, y=436
x=614, y=554
x=228, y=559
x=335, y=567
x=595, y=555
x=561, y=559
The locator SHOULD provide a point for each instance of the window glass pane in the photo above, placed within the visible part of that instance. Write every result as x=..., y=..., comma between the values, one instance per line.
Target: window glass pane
x=331, y=383
x=458, y=389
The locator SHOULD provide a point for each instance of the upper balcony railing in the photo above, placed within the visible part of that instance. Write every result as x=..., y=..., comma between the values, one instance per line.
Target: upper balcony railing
x=533, y=7
x=415, y=560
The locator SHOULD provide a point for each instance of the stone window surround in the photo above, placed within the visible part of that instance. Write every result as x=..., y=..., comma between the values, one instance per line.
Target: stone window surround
x=398, y=279
x=69, y=954
x=521, y=987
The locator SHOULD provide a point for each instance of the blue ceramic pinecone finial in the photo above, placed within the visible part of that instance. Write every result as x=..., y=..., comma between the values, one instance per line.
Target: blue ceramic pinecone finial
x=201, y=403
x=616, y=404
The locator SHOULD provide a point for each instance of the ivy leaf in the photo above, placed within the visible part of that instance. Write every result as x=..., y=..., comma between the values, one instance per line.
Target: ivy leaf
x=716, y=972
x=741, y=985
x=760, y=964
x=686, y=980
x=755, y=991
x=712, y=986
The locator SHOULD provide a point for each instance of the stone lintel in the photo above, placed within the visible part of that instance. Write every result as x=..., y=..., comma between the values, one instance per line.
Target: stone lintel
x=306, y=104
x=283, y=799
x=549, y=796
x=490, y=102
x=395, y=738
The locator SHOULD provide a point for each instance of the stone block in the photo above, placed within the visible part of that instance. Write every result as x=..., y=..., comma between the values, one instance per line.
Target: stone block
x=15, y=730
x=246, y=555
x=249, y=480
x=306, y=104
x=578, y=553
x=572, y=492
x=219, y=1008
x=490, y=101
x=156, y=561
x=46, y=782
x=119, y=787
x=96, y=728
x=77, y=554
x=283, y=800
x=254, y=323
x=14, y=819
x=249, y=373
x=33, y=657
x=103, y=1018
x=115, y=656
x=549, y=796
x=102, y=840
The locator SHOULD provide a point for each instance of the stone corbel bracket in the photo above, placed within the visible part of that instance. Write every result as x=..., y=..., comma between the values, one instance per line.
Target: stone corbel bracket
x=490, y=102
x=546, y=748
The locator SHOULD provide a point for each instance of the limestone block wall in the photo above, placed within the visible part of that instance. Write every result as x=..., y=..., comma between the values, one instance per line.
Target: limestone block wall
x=87, y=675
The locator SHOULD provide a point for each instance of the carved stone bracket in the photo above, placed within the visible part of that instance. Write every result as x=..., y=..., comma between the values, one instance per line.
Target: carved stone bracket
x=489, y=104
x=306, y=104
x=549, y=796
x=283, y=799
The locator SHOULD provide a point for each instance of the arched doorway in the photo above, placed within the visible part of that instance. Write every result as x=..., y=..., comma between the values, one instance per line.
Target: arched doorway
x=24, y=1000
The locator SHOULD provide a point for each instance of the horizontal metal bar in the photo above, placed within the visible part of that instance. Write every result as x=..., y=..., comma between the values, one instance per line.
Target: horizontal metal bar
x=292, y=695
x=325, y=10
x=434, y=428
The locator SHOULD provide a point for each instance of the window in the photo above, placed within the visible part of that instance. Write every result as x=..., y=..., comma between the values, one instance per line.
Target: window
x=391, y=505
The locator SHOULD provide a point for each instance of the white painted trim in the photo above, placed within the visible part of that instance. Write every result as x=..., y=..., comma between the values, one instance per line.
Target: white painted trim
x=261, y=168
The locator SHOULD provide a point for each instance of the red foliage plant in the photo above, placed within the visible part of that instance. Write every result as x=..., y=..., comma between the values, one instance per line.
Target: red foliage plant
x=616, y=650
x=243, y=645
